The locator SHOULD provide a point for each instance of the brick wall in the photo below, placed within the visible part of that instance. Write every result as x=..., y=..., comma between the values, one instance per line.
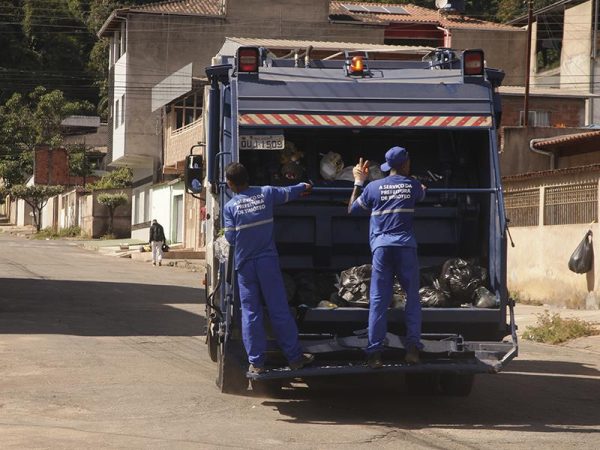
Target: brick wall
x=52, y=168
x=567, y=112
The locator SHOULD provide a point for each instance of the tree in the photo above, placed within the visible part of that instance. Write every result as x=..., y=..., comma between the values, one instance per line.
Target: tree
x=112, y=202
x=117, y=179
x=26, y=121
x=37, y=197
x=78, y=163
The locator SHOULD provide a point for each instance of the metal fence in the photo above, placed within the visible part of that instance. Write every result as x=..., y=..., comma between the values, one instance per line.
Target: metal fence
x=523, y=207
x=576, y=203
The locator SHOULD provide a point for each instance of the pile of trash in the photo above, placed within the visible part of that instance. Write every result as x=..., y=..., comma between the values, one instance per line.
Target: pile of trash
x=460, y=282
x=353, y=286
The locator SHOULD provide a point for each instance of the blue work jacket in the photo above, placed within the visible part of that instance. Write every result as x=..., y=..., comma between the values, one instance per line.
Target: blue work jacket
x=249, y=220
x=391, y=202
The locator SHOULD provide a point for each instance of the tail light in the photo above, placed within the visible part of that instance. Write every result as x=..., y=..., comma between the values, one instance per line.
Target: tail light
x=473, y=64
x=248, y=59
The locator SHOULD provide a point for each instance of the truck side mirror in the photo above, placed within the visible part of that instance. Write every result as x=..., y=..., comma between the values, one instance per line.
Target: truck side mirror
x=194, y=168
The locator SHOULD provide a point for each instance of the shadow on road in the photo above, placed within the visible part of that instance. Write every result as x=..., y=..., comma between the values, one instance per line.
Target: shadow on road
x=542, y=397
x=89, y=308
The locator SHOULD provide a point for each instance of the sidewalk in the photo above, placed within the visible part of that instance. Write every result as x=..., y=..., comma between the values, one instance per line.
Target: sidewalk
x=526, y=315
x=130, y=248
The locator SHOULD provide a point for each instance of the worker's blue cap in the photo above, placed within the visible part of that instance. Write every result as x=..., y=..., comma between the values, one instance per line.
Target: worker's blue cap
x=394, y=158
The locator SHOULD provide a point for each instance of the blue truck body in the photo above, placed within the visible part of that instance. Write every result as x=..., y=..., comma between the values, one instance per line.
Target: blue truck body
x=448, y=121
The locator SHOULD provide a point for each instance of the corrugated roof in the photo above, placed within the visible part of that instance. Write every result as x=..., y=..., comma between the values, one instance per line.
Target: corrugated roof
x=568, y=140
x=326, y=45
x=417, y=14
x=590, y=168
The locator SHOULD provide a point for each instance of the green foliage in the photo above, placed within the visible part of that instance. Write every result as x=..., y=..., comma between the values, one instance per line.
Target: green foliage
x=117, y=179
x=49, y=233
x=113, y=200
x=78, y=163
x=554, y=329
x=26, y=121
x=36, y=196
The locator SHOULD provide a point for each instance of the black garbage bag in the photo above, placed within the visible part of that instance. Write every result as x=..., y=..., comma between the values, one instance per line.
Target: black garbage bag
x=306, y=289
x=460, y=279
x=582, y=259
x=483, y=298
x=434, y=296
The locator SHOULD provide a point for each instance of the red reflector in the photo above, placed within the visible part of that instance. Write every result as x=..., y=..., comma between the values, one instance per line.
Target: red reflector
x=247, y=59
x=473, y=62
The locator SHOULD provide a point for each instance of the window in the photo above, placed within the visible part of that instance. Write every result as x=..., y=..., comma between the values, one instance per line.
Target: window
x=117, y=114
x=188, y=110
x=122, y=109
x=123, y=43
x=536, y=118
x=549, y=39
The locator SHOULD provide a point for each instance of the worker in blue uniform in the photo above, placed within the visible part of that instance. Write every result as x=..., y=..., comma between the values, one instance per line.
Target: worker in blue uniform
x=391, y=202
x=249, y=227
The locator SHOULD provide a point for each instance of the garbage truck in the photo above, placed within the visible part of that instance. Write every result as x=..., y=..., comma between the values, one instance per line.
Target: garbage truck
x=291, y=120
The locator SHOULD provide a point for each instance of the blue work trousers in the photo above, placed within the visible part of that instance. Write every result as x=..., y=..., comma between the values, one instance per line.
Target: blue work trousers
x=387, y=262
x=258, y=278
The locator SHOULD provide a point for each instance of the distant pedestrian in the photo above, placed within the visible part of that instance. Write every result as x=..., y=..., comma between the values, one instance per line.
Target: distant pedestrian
x=157, y=240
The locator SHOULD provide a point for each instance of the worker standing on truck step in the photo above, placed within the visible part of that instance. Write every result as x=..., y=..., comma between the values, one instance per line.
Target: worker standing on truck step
x=249, y=228
x=391, y=202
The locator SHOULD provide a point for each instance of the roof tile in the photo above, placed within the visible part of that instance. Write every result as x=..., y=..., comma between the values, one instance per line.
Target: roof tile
x=187, y=7
x=418, y=14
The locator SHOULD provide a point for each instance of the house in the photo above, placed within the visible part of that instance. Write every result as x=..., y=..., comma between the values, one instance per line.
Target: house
x=158, y=53
x=565, y=49
x=551, y=168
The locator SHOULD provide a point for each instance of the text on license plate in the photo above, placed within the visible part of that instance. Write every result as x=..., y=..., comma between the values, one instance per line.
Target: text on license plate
x=262, y=142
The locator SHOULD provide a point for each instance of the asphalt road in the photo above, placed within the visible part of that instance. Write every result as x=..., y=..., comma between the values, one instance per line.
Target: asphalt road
x=99, y=352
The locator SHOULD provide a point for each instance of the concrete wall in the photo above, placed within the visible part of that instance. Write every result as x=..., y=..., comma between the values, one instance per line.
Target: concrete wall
x=163, y=207
x=516, y=158
x=503, y=49
x=538, y=264
x=68, y=209
x=23, y=213
x=95, y=217
x=538, y=267
x=50, y=214
x=576, y=47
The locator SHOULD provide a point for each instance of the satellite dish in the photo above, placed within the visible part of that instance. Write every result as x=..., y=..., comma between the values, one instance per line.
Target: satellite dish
x=451, y=5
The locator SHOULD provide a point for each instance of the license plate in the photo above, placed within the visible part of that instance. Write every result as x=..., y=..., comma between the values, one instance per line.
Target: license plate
x=262, y=142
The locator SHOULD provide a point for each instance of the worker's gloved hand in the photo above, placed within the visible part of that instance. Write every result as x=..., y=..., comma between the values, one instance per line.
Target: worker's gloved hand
x=307, y=189
x=360, y=172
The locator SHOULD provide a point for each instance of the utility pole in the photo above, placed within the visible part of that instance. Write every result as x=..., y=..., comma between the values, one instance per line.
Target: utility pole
x=528, y=62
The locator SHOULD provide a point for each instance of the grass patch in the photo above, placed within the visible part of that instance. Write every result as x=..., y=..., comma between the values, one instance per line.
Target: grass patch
x=554, y=329
x=49, y=233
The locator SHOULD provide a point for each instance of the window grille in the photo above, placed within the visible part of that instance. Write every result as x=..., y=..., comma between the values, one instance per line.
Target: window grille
x=523, y=207
x=575, y=203
x=536, y=118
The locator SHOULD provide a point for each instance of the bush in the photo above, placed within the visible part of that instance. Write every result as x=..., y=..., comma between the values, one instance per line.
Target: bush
x=117, y=179
x=72, y=231
x=554, y=329
x=49, y=233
